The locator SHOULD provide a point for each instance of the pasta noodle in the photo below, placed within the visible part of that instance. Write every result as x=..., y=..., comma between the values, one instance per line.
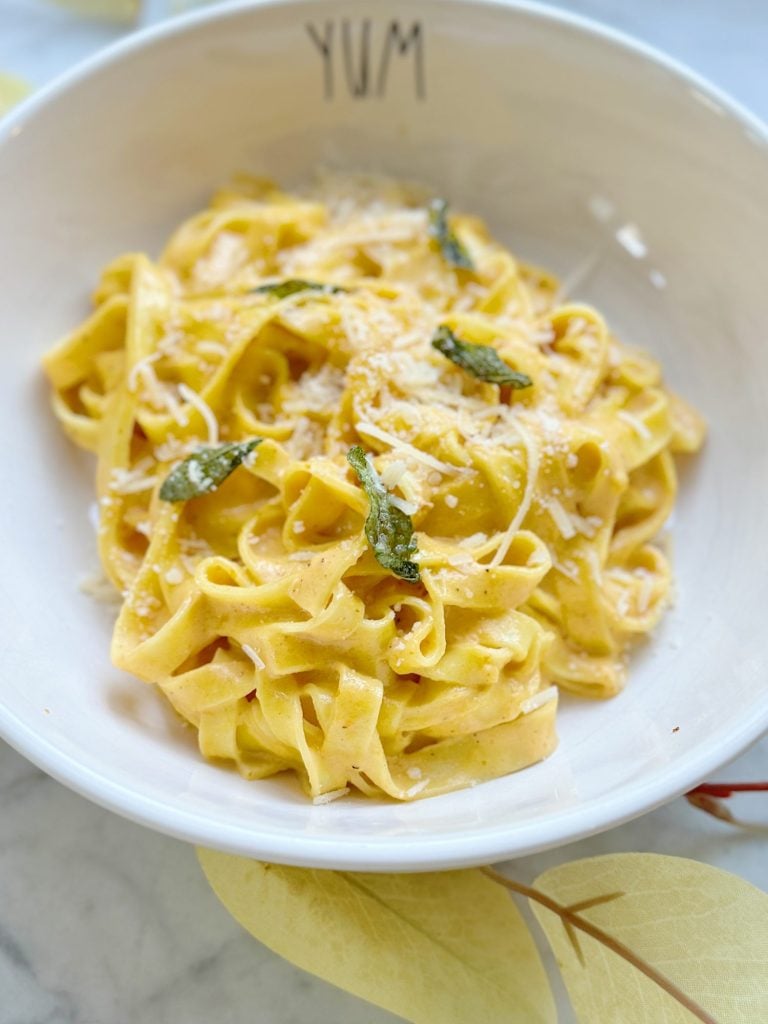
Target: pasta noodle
x=225, y=390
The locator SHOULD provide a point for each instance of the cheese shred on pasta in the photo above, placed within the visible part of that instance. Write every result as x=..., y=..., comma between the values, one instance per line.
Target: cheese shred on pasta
x=259, y=608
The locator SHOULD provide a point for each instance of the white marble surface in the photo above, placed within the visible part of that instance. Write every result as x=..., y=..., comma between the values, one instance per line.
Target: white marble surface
x=104, y=922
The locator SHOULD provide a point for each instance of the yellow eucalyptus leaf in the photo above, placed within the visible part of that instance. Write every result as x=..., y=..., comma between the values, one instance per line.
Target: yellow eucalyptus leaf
x=12, y=91
x=704, y=930
x=110, y=10
x=447, y=948
x=178, y=6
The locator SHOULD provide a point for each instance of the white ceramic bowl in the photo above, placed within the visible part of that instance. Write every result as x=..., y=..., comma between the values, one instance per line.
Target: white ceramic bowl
x=561, y=134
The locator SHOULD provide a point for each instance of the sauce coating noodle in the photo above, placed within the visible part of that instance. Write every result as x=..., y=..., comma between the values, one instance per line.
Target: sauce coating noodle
x=259, y=608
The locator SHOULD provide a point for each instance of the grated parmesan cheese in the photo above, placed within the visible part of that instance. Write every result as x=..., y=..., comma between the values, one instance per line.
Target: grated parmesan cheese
x=645, y=593
x=316, y=392
x=568, y=569
x=637, y=424
x=408, y=508
x=538, y=700
x=417, y=788
x=226, y=254
x=138, y=369
x=173, y=448
x=628, y=236
x=587, y=526
x=593, y=561
x=300, y=556
x=158, y=396
x=532, y=456
x=97, y=586
x=254, y=655
x=327, y=798
x=392, y=474
x=385, y=437
x=132, y=481
x=212, y=348
x=560, y=518
x=94, y=515
x=474, y=541
x=211, y=423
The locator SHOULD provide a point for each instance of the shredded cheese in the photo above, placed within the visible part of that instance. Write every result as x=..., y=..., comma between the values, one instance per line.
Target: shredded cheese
x=132, y=481
x=158, y=396
x=212, y=348
x=560, y=518
x=409, y=508
x=538, y=700
x=138, y=369
x=586, y=525
x=392, y=474
x=254, y=655
x=474, y=541
x=211, y=423
x=645, y=593
x=327, y=798
x=567, y=569
x=385, y=437
x=532, y=457
x=629, y=237
x=637, y=424
x=97, y=586
x=417, y=788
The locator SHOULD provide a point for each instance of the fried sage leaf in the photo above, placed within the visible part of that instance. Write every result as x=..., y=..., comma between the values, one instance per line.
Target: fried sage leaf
x=388, y=529
x=205, y=470
x=294, y=285
x=482, y=361
x=450, y=246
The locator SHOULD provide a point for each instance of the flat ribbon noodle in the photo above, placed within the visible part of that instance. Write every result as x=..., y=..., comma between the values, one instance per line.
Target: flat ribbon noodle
x=259, y=609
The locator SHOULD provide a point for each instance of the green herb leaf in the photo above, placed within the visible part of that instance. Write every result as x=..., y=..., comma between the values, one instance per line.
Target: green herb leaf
x=294, y=285
x=388, y=529
x=204, y=470
x=450, y=246
x=482, y=361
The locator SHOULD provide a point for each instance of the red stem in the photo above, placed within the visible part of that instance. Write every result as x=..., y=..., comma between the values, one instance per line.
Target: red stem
x=726, y=789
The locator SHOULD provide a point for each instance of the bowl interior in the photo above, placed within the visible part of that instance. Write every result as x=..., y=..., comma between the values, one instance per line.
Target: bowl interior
x=586, y=156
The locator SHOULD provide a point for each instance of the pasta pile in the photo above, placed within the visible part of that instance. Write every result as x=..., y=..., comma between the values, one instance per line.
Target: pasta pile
x=345, y=547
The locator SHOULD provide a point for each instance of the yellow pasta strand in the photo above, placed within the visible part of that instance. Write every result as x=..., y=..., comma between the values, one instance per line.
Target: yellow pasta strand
x=259, y=609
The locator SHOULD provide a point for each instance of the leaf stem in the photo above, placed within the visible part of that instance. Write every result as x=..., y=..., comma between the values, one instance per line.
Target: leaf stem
x=571, y=918
x=726, y=789
x=702, y=799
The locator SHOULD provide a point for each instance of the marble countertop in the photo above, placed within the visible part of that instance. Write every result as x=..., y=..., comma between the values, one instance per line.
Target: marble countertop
x=105, y=922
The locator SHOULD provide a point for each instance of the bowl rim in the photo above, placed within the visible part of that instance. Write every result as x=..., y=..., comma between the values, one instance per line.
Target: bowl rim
x=426, y=852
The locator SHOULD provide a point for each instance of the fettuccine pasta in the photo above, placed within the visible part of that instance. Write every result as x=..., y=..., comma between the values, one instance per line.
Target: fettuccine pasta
x=370, y=489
